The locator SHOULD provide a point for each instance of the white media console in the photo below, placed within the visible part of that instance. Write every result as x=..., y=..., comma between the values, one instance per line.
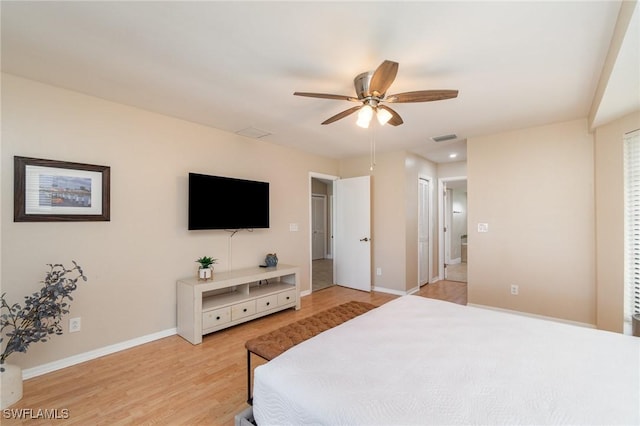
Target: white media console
x=234, y=297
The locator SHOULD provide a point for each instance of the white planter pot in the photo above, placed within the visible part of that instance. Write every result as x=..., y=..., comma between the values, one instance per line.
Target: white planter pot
x=11, y=385
x=205, y=273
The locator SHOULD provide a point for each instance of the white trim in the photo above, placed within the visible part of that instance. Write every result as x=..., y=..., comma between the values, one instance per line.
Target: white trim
x=305, y=293
x=96, y=353
x=414, y=290
x=389, y=291
x=527, y=314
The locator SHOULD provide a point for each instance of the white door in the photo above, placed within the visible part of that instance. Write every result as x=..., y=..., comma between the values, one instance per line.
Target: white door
x=319, y=226
x=423, y=231
x=352, y=233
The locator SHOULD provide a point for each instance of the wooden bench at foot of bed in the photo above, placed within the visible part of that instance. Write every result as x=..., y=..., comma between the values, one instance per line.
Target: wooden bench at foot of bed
x=272, y=344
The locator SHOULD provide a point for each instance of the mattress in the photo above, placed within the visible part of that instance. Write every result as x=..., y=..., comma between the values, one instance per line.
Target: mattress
x=422, y=361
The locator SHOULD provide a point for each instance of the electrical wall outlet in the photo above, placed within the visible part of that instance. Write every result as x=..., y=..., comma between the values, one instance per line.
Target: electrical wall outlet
x=515, y=289
x=74, y=325
x=378, y=271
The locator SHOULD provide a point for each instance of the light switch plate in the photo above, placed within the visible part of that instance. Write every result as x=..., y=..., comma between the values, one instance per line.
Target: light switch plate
x=483, y=227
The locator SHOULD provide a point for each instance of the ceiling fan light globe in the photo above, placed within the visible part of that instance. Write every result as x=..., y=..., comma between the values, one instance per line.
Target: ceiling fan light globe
x=364, y=116
x=363, y=123
x=383, y=116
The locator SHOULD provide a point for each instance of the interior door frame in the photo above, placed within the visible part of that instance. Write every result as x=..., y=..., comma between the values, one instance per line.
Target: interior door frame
x=320, y=176
x=441, y=220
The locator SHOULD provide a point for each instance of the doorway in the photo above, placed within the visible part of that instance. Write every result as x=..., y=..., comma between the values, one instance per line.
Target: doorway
x=321, y=233
x=347, y=259
x=453, y=229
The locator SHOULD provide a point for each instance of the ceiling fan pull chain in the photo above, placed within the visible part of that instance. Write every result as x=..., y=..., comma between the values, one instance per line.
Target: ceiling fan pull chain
x=372, y=162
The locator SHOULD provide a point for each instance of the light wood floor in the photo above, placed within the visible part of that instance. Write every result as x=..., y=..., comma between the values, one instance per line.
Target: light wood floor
x=172, y=382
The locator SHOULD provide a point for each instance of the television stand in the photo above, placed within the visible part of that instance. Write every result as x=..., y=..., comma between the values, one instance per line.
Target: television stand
x=234, y=297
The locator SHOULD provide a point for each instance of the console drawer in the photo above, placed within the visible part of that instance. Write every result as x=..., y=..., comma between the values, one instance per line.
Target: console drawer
x=266, y=303
x=286, y=297
x=216, y=317
x=242, y=310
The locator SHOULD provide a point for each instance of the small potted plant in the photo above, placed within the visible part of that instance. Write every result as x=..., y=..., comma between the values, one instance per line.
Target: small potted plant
x=35, y=321
x=205, y=271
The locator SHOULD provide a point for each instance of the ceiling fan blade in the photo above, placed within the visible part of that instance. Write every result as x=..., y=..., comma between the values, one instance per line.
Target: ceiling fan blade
x=382, y=78
x=343, y=114
x=326, y=96
x=395, y=119
x=422, y=96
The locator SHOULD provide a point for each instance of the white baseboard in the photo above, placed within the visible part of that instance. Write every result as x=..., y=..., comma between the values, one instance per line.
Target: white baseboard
x=527, y=314
x=414, y=290
x=96, y=353
x=389, y=291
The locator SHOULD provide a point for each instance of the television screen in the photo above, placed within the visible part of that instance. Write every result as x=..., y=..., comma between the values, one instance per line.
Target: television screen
x=217, y=202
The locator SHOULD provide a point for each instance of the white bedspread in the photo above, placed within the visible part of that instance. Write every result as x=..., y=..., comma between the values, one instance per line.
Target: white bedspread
x=421, y=361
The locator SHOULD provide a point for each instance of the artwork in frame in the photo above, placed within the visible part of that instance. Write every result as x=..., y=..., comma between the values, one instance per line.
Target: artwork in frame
x=60, y=191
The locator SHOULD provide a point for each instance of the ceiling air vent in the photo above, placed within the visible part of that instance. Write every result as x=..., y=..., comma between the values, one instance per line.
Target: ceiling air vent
x=444, y=138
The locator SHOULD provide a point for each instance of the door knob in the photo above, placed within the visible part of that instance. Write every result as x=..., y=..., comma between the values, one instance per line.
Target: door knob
x=365, y=239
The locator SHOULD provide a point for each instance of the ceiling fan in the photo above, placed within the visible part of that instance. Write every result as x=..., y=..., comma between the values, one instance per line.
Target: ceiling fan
x=371, y=88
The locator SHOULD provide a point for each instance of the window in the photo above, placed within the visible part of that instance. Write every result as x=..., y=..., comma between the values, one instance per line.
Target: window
x=631, y=227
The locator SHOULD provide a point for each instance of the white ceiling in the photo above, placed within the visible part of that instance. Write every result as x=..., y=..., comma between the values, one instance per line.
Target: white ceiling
x=235, y=65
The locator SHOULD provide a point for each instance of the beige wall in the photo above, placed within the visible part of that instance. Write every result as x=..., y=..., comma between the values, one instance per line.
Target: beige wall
x=609, y=193
x=452, y=170
x=134, y=260
x=535, y=189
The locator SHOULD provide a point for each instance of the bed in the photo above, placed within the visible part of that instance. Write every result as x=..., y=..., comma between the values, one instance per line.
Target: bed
x=423, y=361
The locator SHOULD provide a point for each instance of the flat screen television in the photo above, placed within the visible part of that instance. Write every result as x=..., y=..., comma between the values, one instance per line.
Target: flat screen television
x=217, y=202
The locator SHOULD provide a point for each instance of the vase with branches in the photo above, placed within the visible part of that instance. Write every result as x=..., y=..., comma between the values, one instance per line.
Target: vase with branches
x=41, y=314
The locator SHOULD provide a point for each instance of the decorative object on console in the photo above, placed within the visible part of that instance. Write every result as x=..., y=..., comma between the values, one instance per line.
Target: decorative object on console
x=59, y=191
x=34, y=322
x=271, y=260
x=205, y=271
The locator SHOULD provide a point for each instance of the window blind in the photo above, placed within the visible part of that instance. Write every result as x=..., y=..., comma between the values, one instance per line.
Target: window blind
x=631, y=227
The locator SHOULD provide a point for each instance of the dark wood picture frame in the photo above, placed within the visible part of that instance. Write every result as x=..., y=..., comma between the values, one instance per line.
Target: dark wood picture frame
x=71, y=203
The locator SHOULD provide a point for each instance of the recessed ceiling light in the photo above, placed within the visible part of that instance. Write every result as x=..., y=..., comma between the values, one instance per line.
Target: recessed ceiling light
x=453, y=155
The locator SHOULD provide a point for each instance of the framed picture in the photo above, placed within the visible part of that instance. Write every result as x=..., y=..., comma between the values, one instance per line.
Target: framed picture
x=59, y=191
